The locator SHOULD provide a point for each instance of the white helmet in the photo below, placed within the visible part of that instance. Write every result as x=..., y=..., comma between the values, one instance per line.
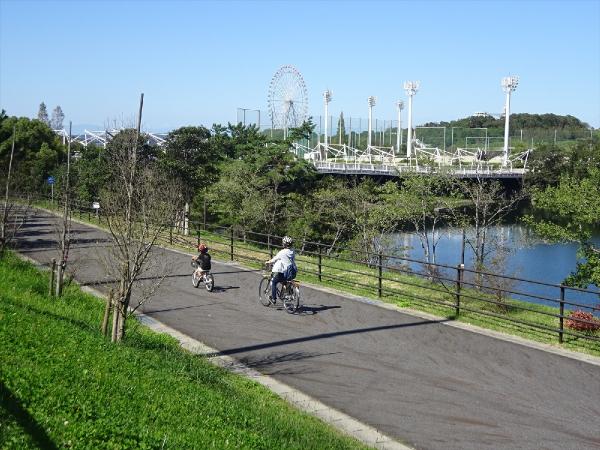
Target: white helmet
x=287, y=241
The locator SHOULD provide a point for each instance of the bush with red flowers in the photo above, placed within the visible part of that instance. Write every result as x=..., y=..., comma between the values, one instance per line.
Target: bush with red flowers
x=582, y=321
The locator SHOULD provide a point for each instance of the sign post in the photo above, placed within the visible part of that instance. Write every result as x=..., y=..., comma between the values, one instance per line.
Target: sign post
x=50, y=181
x=96, y=207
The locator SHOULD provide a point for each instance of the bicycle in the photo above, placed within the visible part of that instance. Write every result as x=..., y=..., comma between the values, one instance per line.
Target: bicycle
x=205, y=276
x=287, y=291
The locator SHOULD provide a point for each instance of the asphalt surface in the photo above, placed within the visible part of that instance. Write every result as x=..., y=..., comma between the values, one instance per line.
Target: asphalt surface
x=429, y=385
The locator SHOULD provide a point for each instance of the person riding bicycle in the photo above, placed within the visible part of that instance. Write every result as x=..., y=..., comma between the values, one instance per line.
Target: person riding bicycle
x=283, y=264
x=203, y=259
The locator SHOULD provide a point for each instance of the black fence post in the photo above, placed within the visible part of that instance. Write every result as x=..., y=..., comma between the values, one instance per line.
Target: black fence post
x=562, y=314
x=231, y=242
x=320, y=261
x=197, y=238
x=379, y=263
x=459, y=278
x=171, y=234
x=269, y=245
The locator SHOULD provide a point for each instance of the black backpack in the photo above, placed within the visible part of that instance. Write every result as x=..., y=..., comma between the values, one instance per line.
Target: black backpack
x=290, y=272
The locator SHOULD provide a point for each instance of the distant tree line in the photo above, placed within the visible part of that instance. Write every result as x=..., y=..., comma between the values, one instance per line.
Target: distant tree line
x=517, y=121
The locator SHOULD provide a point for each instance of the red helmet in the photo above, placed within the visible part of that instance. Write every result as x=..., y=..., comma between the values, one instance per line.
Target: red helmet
x=202, y=248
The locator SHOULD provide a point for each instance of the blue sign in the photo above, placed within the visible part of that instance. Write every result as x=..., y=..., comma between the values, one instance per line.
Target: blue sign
x=50, y=180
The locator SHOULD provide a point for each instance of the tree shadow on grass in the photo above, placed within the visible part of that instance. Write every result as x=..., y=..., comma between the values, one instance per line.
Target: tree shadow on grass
x=10, y=405
x=82, y=325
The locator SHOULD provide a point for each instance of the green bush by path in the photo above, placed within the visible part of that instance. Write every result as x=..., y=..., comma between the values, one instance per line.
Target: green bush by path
x=63, y=385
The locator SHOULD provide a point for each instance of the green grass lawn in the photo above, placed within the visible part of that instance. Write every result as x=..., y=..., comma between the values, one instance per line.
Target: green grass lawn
x=62, y=385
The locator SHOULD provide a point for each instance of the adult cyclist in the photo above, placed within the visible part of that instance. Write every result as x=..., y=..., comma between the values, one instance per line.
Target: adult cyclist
x=283, y=264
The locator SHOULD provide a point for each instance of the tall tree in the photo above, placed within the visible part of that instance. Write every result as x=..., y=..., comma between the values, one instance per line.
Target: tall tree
x=38, y=152
x=489, y=204
x=57, y=118
x=139, y=202
x=43, y=114
x=187, y=157
x=420, y=204
x=572, y=211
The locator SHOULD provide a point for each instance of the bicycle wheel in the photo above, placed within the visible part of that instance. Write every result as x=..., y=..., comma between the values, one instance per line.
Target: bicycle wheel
x=195, y=279
x=209, y=282
x=291, y=298
x=264, y=290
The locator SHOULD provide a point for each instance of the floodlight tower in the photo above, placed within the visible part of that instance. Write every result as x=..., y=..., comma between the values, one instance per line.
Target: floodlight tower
x=411, y=88
x=400, y=106
x=509, y=84
x=326, y=100
x=372, y=101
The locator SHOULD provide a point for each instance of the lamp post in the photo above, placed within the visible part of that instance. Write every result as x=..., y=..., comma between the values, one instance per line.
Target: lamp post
x=326, y=100
x=411, y=88
x=372, y=101
x=509, y=84
x=400, y=106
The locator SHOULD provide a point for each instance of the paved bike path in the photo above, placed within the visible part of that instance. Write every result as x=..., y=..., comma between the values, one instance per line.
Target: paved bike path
x=429, y=385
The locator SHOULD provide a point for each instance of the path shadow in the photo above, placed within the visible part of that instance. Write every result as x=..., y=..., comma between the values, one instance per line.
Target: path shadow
x=314, y=337
x=268, y=364
x=218, y=289
x=223, y=272
x=51, y=244
x=179, y=308
x=312, y=310
x=13, y=407
x=115, y=281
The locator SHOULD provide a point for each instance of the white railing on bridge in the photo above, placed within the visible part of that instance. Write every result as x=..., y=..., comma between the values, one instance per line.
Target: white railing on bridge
x=356, y=168
x=385, y=160
x=102, y=137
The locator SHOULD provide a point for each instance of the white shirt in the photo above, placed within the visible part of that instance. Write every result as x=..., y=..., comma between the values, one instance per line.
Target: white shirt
x=283, y=259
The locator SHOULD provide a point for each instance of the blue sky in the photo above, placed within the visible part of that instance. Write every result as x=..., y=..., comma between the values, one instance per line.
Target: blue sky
x=197, y=61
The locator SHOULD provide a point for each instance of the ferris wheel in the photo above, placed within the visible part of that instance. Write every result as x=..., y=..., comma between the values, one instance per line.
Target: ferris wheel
x=288, y=99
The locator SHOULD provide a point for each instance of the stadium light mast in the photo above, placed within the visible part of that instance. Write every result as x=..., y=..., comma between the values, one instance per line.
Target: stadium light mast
x=411, y=88
x=372, y=101
x=509, y=84
x=400, y=106
x=326, y=100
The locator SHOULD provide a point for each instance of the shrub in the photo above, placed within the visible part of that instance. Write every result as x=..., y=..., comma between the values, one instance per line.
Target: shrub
x=582, y=321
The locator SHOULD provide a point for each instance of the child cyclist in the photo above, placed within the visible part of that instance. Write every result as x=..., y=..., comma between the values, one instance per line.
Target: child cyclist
x=283, y=264
x=203, y=259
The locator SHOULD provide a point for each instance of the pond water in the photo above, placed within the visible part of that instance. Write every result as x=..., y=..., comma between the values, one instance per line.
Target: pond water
x=529, y=259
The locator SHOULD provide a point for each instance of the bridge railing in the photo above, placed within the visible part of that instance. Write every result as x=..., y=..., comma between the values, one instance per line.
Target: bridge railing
x=396, y=169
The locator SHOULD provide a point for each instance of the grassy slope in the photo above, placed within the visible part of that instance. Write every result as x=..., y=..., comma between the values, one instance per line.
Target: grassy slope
x=63, y=385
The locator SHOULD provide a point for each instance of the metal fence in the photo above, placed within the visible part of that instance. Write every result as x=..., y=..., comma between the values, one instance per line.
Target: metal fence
x=456, y=289
x=354, y=131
